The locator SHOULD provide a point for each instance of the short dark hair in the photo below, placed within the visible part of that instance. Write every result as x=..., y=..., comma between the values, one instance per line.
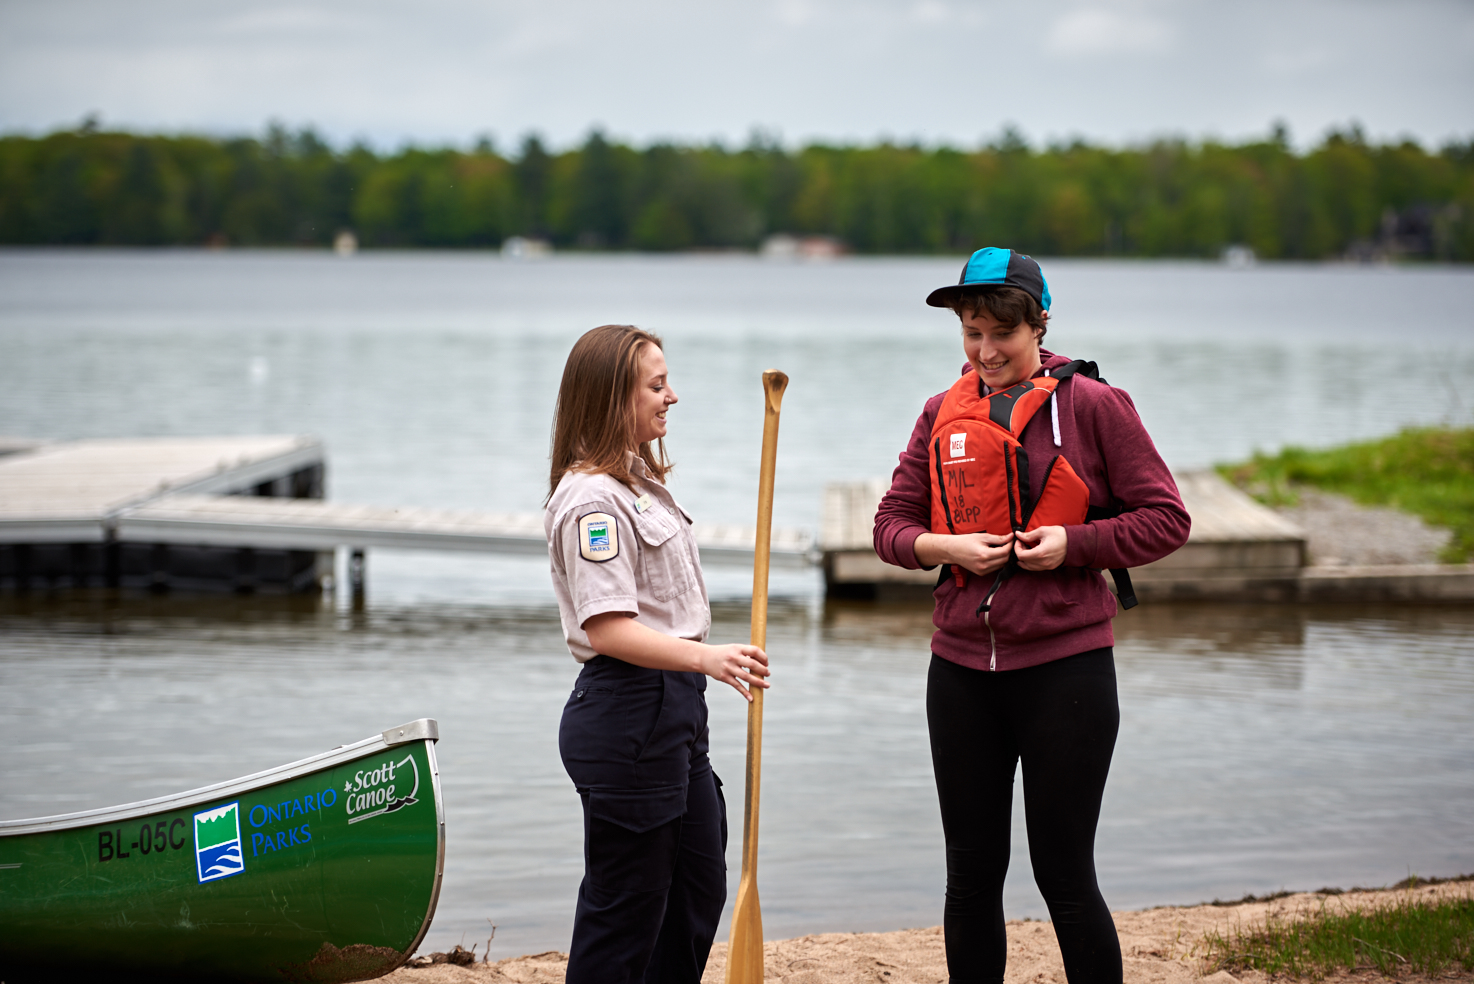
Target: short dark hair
x=1008, y=305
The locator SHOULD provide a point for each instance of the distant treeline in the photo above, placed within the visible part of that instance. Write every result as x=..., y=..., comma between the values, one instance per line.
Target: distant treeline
x=1171, y=198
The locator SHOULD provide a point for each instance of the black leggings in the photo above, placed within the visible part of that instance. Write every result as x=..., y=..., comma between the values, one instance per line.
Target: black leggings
x=1060, y=718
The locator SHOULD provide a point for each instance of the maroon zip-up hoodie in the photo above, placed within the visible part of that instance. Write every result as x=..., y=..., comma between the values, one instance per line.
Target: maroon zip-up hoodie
x=1039, y=616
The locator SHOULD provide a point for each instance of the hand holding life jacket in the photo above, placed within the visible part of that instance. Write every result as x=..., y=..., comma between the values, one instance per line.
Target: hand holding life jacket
x=980, y=471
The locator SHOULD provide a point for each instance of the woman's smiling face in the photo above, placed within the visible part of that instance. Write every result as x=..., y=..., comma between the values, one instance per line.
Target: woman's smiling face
x=652, y=395
x=1000, y=354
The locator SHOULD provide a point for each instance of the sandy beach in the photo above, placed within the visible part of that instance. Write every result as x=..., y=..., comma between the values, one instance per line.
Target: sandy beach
x=1160, y=946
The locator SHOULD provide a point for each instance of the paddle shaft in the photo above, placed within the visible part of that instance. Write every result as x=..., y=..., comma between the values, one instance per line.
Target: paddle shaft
x=745, y=951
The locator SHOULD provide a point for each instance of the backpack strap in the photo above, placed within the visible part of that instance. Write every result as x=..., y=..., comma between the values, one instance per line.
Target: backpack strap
x=1078, y=368
x=1124, y=591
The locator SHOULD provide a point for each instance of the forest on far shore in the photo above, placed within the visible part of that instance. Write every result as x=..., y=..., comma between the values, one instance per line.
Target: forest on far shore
x=1346, y=197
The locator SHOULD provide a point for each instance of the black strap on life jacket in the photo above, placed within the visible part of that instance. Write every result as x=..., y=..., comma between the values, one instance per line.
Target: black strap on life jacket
x=942, y=484
x=1005, y=572
x=1124, y=591
x=1078, y=368
x=1016, y=471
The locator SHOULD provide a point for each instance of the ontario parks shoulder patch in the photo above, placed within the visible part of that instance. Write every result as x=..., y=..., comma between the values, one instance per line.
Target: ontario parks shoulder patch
x=598, y=537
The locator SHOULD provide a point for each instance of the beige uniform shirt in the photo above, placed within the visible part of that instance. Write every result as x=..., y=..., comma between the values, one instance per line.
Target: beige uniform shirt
x=614, y=550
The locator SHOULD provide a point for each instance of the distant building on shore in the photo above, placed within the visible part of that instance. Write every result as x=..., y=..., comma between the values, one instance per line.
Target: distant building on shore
x=782, y=246
x=1425, y=231
x=1239, y=256
x=522, y=248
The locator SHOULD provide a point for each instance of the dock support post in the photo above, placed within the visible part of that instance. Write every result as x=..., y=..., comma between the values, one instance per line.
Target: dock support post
x=245, y=570
x=79, y=558
x=325, y=572
x=158, y=581
x=357, y=564
x=112, y=561
x=22, y=568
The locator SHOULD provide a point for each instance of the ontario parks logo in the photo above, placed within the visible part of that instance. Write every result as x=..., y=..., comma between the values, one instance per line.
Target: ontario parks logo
x=598, y=537
x=217, y=843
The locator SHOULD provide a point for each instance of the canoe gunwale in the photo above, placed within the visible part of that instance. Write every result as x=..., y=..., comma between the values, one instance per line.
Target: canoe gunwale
x=425, y=729
x=409, y=951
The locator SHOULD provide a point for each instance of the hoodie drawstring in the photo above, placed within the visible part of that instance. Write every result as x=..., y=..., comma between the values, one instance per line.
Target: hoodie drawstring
x=1054, y=413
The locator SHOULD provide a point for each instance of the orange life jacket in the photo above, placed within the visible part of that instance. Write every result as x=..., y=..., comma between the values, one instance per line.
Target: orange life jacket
x=980, y=471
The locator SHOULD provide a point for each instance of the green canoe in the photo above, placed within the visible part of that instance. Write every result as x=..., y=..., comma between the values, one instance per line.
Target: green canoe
x=327, y=869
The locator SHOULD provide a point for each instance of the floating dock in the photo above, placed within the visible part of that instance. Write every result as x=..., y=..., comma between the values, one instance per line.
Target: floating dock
x=241, y=514
x=1238, y=550
x=248, y=514
x=61, y=506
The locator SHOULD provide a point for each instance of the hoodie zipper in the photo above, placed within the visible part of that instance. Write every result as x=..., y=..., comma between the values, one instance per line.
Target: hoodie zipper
x=992, y=643
x=985, y=609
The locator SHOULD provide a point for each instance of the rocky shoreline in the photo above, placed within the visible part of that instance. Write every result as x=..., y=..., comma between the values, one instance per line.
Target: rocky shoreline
x=1340, y=533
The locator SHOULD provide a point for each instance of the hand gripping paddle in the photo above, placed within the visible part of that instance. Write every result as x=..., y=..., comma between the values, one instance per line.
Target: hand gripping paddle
x=745, y=951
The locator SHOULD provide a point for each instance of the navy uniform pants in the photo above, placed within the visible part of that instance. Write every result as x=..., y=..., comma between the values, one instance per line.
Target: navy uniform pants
x=634, y=741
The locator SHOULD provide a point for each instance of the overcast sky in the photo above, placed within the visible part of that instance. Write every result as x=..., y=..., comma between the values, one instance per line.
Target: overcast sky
x=954, y=71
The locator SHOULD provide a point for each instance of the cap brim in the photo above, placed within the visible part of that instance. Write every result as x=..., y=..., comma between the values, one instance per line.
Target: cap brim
x=942, y=296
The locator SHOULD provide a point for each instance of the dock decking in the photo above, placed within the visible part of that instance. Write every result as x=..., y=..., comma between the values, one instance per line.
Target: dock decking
x=305, y=524
x=243, y=513
x=71, y=492
x=61, y=506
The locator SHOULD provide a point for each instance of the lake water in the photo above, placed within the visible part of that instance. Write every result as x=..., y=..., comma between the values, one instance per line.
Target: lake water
x=1261, y=748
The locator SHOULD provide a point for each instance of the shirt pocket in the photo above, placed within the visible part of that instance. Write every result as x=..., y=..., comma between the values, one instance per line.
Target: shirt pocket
x=665, y=561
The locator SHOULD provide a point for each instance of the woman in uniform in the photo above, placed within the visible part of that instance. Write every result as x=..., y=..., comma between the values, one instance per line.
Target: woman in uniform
x=1022, y=667
x=635, y=615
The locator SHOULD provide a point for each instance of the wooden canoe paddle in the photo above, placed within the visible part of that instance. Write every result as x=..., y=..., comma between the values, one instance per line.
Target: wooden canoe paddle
x=745, y=951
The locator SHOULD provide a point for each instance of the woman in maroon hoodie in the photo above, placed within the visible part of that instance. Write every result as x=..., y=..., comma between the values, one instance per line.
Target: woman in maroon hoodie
x=1021, y=664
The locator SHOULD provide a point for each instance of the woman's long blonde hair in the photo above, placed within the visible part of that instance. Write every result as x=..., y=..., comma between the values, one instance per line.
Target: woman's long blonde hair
x=594, y=423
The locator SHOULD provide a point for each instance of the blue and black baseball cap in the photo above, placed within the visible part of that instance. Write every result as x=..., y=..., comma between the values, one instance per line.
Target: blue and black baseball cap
x=994, y=267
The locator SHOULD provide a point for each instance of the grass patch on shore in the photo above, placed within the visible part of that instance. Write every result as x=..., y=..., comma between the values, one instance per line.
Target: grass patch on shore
x=1426, y=471
x=1393, y=939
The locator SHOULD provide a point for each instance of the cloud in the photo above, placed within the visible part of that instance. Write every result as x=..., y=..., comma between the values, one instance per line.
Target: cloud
x=1298, y=60
x=931, y=12
x=446, y=70
x=279, y=21
x=795, y=13
x=1099, y=31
